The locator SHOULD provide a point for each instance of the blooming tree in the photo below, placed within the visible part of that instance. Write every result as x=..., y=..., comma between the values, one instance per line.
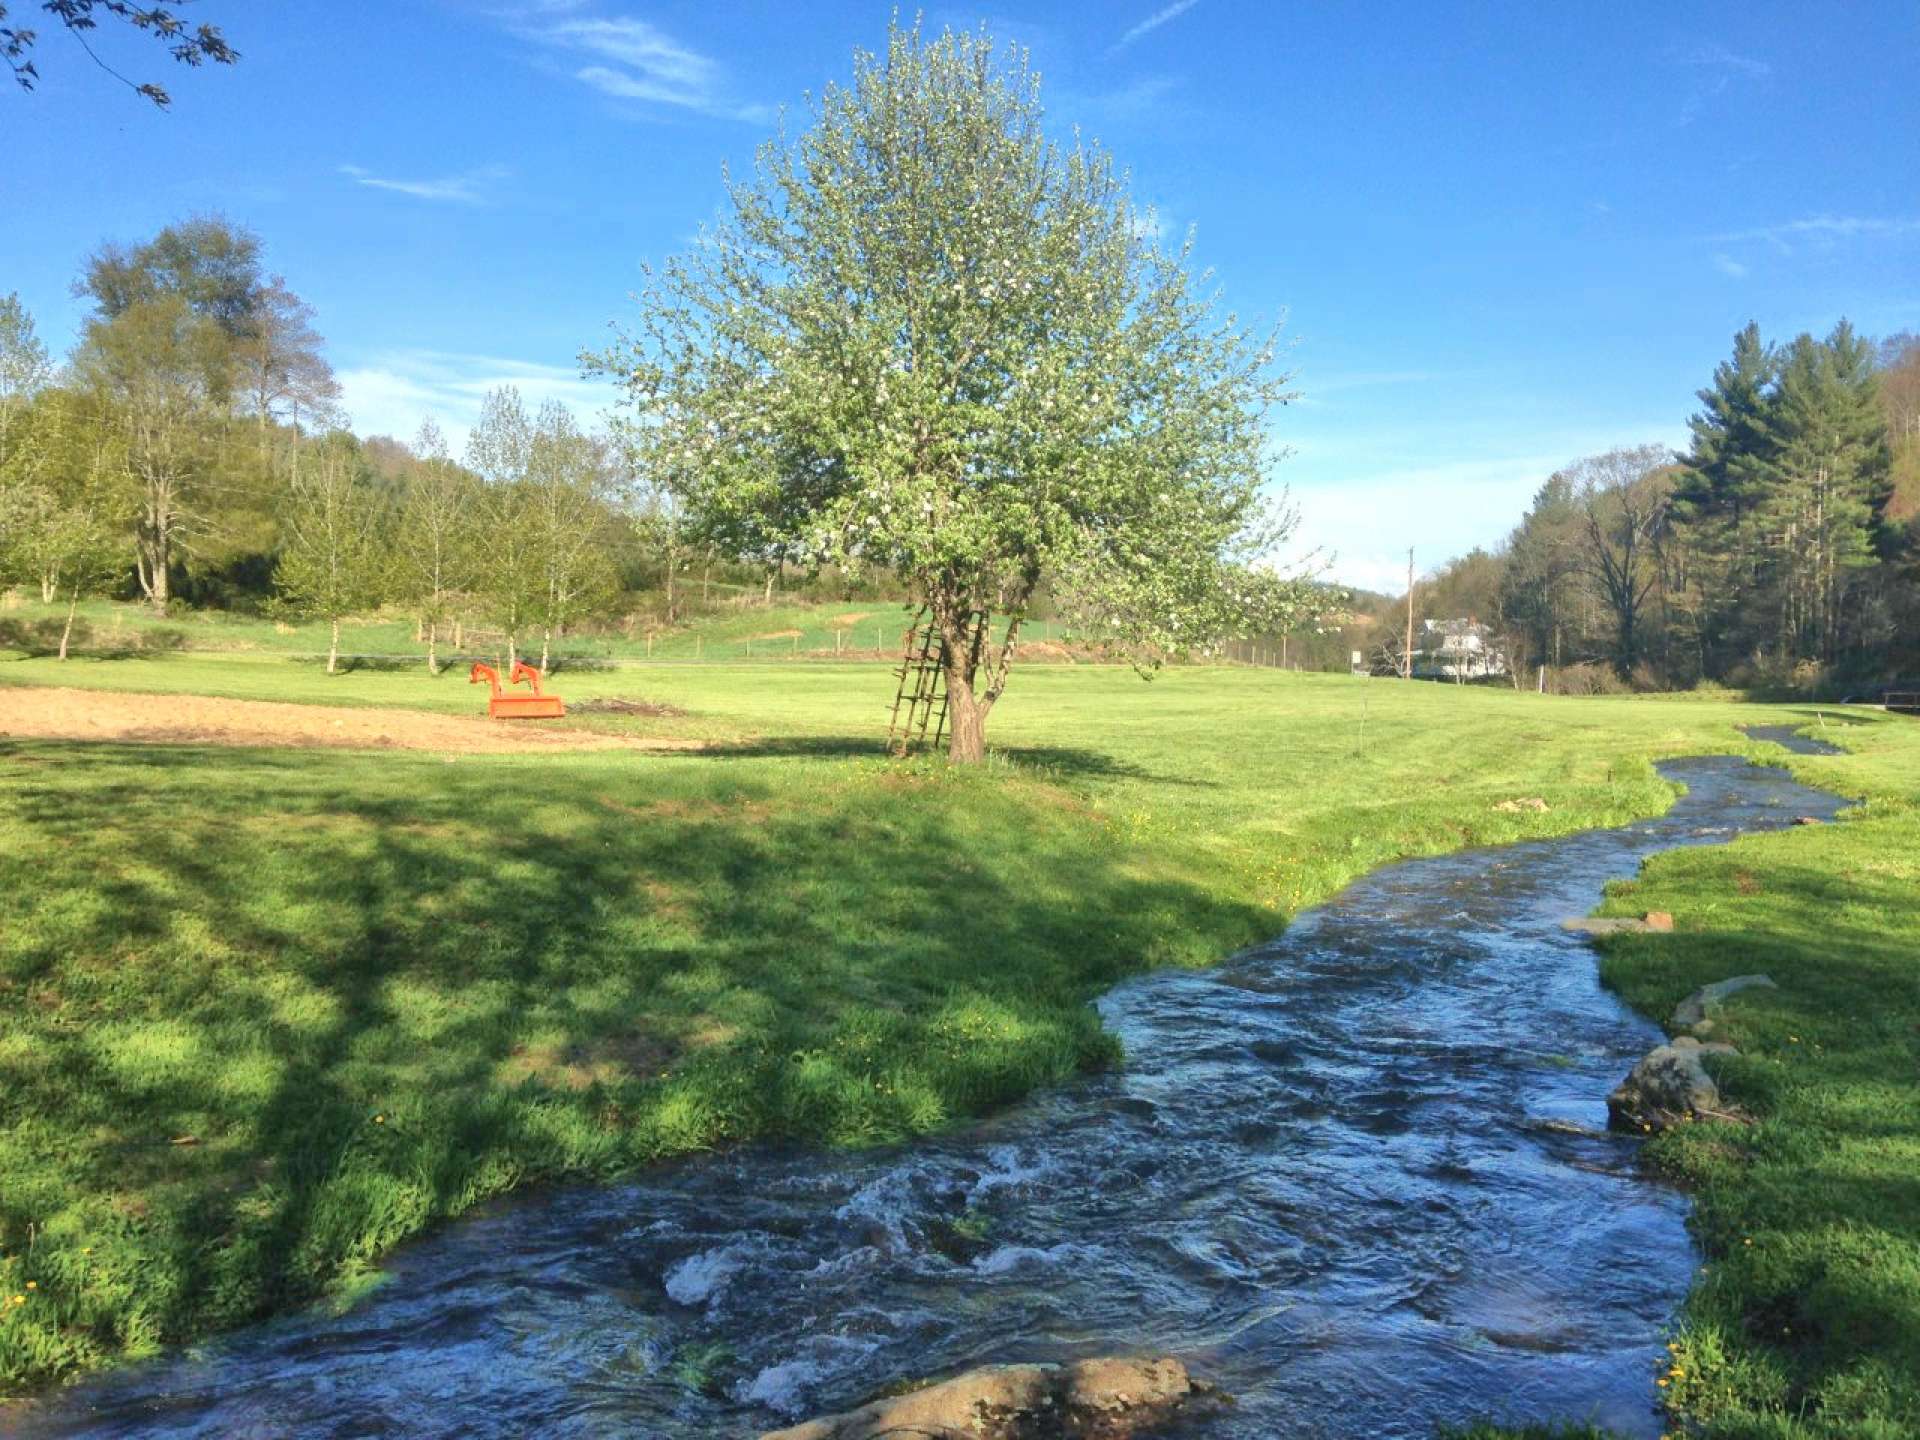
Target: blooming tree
x=931, y=338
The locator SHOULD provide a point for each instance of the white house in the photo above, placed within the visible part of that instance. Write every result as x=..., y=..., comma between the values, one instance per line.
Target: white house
x=1458, y=650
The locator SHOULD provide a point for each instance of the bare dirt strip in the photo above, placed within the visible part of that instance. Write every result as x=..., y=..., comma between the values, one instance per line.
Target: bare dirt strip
x=33, y=713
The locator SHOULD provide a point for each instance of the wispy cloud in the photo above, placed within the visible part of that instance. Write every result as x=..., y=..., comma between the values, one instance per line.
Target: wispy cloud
x=1136, y=100
x=394, y=390
x=471, y=187
x=1718, y=67
x=1714, y=56
x=633, y=59
x=1730, y=267
x=1822, y=229
x=1154, y=22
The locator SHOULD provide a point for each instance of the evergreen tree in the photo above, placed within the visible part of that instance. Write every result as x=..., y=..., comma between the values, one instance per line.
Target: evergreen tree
x=1542, y=573
x=1827, y=479
x=1720, y=492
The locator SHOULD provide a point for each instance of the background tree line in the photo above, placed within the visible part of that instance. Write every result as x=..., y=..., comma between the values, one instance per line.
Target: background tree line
x=1782, y=550
x=191, y=450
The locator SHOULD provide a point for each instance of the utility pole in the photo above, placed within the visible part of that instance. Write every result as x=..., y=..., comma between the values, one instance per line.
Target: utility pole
x=1408, y=666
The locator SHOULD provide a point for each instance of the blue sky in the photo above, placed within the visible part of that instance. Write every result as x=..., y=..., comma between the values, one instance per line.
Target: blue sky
x=1501, y=236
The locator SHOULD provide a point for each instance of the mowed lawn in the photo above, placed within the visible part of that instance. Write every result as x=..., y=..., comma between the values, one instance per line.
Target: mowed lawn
x=264, y=1014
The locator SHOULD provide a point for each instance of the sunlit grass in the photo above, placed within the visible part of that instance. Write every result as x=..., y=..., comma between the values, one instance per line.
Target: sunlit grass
x=1806, y=1321
x=264, y=1014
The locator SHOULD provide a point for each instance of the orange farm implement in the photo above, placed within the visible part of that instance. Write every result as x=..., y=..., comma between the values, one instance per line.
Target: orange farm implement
x=504, y=705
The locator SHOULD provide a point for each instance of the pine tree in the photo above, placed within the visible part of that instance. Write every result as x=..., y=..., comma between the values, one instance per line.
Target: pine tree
x=1827, y=481
x=1721, y=489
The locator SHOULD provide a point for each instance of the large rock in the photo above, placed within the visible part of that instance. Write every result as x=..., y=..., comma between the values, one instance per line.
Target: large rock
x=1089, y=1400
x=1702, y=1002
x=1669, y=1085
x=1654, y=920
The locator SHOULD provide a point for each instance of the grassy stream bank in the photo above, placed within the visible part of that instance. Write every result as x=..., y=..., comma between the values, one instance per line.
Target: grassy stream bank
x=268, y=1013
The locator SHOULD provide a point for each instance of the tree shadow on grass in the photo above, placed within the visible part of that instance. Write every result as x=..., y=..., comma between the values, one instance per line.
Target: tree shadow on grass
x=373, y=993
x=1065, y=762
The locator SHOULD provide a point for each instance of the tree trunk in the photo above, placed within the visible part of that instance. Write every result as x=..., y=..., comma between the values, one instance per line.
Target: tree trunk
x=73, y=604
x=767, y=598
x=546, y=647
x=333, y=646
x=433, y=647
x=162, y=592
x=49, y=587
x=513, y=656
x=966, y=722
x=459, y=632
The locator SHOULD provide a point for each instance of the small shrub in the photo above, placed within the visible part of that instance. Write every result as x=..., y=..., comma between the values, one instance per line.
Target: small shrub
x=1589, y=679
x=42, y=637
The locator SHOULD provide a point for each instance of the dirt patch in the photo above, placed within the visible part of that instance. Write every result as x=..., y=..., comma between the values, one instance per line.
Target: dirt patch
x=673, y=809
x=32, y=713
x=613, y=705
x=610, y=1060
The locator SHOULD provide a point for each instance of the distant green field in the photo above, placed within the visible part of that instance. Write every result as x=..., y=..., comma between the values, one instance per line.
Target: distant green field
x=373, y=989
x=741, y=630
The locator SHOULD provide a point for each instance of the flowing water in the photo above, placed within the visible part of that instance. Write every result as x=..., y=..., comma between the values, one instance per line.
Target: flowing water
x=1358, y=1176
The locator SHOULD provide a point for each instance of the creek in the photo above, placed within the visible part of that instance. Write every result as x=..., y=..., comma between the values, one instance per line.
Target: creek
x=1360, y=1177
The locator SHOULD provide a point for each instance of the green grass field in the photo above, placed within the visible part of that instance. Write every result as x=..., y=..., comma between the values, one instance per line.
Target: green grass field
x=264, y=1014
x=736, y=626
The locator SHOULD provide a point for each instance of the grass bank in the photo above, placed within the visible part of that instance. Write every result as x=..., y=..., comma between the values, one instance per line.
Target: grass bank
x=265, y=1014
x=1805, y=1321
x=739, y=627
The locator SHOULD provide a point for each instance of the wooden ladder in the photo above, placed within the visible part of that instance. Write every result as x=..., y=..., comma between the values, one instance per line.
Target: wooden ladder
x=920, y=702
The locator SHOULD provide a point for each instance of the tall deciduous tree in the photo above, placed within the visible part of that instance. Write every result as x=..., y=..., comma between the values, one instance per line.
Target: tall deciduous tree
x=933, y=339
x=331, y=537
x=566, y=510
x=434, y=535
x=149, y=367
x=207, y=262
x=281, y=373
x=511, y=577
x=1624, y=497
x=24, y=367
